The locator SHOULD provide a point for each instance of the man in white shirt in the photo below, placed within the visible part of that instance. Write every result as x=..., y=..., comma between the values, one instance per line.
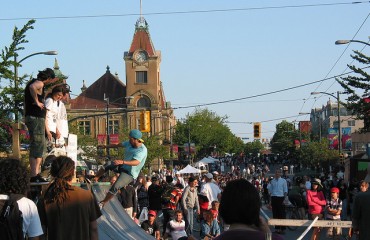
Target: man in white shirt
x=210, y=189
x=176, y=227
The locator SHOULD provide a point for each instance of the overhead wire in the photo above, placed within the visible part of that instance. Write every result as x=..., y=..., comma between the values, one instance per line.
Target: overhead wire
x=187, y=12
x=335, y=64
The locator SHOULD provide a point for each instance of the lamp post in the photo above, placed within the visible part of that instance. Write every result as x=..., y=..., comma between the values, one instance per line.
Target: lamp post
x=16, y=126
x=339, y=124
x=340, y=42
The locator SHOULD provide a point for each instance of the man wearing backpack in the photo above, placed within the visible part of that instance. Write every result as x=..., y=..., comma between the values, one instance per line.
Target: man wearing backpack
x=170, y=197
x=22, y=219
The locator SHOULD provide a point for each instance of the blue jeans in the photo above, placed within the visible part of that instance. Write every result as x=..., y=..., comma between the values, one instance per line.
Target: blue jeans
x=189, y=220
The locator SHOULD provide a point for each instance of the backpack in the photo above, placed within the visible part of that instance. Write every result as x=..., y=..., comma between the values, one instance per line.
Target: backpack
x=167, y=195
x=11, y=219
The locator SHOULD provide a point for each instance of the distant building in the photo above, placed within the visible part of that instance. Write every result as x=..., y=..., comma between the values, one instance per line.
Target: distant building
x=324, y=122
x=142, y=90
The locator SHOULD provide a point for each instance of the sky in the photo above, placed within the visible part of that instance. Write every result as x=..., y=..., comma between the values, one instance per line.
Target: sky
x=213, y=51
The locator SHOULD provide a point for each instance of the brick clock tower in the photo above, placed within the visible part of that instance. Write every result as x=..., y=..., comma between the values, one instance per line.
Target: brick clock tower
x=143, y=84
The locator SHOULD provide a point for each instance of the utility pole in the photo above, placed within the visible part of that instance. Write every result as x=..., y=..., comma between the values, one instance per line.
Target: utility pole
x=107, y=123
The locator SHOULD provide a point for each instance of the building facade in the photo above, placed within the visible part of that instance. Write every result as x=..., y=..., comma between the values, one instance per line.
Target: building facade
x=109, y=105
x=325, y=121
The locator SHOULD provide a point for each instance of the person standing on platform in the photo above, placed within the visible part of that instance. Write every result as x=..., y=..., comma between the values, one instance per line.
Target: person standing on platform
x=278, y=190
x=35, y=113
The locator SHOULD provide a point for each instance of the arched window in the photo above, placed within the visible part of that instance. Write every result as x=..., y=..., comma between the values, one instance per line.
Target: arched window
x=144, y=102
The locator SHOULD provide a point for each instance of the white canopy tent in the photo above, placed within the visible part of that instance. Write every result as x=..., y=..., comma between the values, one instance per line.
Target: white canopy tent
x=189, y=169
x=213, y=159
x=200, y=164
x=207, y=160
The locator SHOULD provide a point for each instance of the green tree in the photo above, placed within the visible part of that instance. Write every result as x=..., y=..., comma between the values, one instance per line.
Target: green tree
x=11, y=93
x=317, y=154
x=11, y=96
x=358, y=89
x=283, y=140
x=208, y=132
x=253, y=148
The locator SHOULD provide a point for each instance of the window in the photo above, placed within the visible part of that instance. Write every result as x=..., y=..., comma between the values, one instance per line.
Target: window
x=113, y=126
x=335, y=124
x=351, y=123
x=141, y=77
x=144, y=102
x=84, y=127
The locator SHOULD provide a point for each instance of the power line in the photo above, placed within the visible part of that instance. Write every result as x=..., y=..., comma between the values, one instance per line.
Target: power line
x=265, y=94
x=187, y=12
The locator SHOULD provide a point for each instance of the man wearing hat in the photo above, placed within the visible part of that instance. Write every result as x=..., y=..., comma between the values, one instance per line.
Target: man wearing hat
x=131, y=165
x=35, y=113
x=210, y=189
x=151, y=226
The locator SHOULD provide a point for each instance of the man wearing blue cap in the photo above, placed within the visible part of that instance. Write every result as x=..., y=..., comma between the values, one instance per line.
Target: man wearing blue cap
x=128, y=168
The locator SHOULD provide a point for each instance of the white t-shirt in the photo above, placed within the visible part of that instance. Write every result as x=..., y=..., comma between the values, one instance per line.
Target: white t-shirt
x=31, y=220
x=211, y=190
x=51, y=114
x=176, y=229
x=62, y=120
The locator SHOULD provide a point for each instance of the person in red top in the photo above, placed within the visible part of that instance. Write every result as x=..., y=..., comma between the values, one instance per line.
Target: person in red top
x=316, y=204
x=203, y=204
x=169, y=208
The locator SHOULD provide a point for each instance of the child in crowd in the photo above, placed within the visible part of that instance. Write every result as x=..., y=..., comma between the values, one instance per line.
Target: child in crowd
x=214, y=209
x=333, y=210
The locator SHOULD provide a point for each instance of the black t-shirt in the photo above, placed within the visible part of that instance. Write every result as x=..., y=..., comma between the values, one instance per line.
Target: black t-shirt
x=151, y=229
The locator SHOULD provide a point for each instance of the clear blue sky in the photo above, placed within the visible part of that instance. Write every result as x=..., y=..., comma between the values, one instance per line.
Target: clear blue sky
x=249, y=48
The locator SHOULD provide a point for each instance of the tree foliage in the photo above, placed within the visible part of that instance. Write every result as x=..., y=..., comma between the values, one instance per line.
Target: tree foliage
x=208, y=132
x=283, y=140
x=318, y=154
x=11, y=96
x=253, y=148
x=358, y=89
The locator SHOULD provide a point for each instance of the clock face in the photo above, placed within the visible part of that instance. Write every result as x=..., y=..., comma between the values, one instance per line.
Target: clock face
x=140, y=56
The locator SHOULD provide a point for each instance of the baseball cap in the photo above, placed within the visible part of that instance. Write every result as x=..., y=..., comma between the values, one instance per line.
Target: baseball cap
x=152, y=212
x=334, y=189
x=134, y=133
x=209, y=175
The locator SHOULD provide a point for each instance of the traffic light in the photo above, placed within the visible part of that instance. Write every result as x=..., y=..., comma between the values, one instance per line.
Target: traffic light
x=257, y=130
x=145, y=121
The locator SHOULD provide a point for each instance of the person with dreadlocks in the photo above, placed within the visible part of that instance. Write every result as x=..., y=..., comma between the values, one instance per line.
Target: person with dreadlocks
x=66, y=211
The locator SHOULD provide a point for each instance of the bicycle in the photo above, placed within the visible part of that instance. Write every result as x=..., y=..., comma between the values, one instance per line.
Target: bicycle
x=292, y=213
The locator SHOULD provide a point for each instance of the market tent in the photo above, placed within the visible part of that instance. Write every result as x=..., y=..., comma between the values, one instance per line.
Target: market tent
x=213, y=159
x=206, y=160
x=189, y=169
x=200, y=164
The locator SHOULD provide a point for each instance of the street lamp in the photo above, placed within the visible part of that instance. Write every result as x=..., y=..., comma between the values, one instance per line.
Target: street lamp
x=339, y=124
x=339, y=42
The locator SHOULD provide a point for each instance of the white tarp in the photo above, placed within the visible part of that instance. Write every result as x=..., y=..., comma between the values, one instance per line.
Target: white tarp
x=189, y=169
x=200, y=164
x=206, y=160
x=213, y=159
